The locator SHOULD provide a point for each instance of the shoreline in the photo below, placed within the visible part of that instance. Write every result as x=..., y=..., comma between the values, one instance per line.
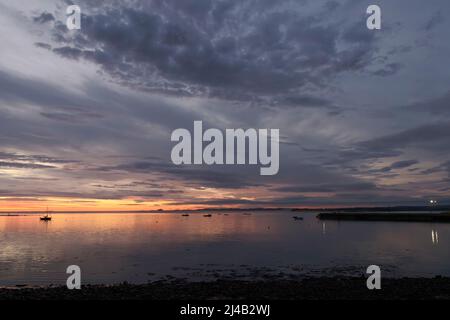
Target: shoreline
x=394, y=217
x=319, y=288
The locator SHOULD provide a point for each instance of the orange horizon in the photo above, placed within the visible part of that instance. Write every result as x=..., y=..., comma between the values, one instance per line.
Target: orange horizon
x=29, y=205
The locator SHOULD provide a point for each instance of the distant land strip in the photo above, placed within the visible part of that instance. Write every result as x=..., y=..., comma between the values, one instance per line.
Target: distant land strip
x=403, y=217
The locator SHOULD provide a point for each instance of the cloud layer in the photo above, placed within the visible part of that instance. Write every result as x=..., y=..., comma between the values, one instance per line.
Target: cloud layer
x=363, y=115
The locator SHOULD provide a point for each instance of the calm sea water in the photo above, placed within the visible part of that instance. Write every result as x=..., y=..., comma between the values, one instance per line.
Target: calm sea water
x=137, y=248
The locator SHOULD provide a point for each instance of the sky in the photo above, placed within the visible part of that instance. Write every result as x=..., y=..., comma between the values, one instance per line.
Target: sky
x=86, y=115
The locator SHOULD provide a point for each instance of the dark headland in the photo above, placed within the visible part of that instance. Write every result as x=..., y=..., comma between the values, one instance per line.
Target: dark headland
x=383, y=216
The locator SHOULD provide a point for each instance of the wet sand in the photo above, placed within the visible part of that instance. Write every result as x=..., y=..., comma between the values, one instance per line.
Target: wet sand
x=323, y=288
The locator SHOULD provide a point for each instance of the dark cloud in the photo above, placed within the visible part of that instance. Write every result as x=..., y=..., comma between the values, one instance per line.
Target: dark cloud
x=329, y=187
x=443, y=167
x=398, y=165
x=22, y=161
x=5, y=164
x=16, y=89
x=436, y=19
x=60, y=116
x=11, y=156
x=431, y=136
x=221, y=202
x=44, y=18
x=237, y=50
x=436, y=106
x=388, y=70
x=193, y=175
x=43, y=45
x=70, y=117
x=403, y=164
x=303, y=100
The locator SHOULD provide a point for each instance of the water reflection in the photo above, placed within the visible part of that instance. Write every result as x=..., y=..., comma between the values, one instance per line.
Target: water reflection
x=129, y=247
x=434, y=237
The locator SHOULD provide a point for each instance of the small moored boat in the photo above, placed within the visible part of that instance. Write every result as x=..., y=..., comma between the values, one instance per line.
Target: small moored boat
x=207, y=215
x=45, y=218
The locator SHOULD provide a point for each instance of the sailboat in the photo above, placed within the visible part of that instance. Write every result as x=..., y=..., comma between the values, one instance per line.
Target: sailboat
x=47, y=217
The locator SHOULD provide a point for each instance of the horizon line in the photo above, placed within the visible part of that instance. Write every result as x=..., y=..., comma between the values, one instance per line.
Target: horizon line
x=438, y=207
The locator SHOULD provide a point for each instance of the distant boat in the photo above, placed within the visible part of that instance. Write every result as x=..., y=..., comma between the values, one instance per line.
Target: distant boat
x=207, y=215
x=296, y=218
x=47, y=217
x=185, y=215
